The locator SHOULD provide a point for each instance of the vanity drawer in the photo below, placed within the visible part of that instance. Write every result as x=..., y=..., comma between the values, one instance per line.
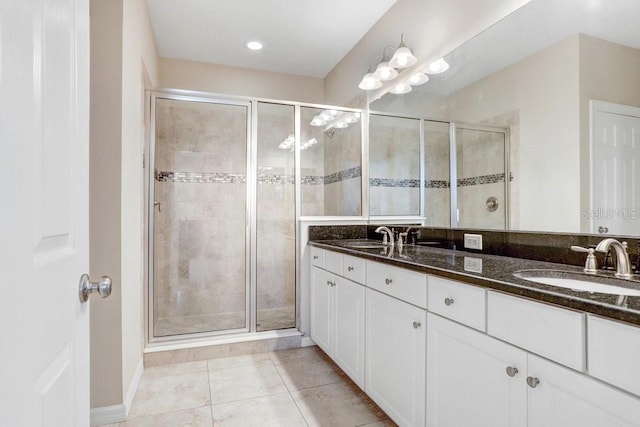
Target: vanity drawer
x=613, y=353
x=333, y=262
x=552, y=332
x=317, y=257
x=456, y=301
x=403, y=284
x=353, y=268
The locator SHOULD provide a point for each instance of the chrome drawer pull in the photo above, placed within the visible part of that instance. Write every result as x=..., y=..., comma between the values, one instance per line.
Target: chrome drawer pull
x=448, y=301
x=388, y=281
x=416, y=325
x=350, y=268
x=511, y=371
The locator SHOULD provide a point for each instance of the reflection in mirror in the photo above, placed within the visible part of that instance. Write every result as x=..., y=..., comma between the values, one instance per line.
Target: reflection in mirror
x=553, y=59
x=437, y=189
x=394, y=166
x=480, y=171
x=330, y=162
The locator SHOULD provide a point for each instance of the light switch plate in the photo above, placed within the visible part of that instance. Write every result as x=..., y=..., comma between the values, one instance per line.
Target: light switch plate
x=473, y=241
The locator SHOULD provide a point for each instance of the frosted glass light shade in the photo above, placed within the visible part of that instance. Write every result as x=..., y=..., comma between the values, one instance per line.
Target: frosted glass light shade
x=401, y=88
x=385, y=72
x=403, y=58
x=369, y=82
x=437, y=67
x=418, y=79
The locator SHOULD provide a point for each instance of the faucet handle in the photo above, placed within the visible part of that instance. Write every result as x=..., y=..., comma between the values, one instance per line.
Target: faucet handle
x=591, y=264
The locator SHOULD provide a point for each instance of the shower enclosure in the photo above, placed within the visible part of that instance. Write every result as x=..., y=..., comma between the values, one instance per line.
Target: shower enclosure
x=222, y=216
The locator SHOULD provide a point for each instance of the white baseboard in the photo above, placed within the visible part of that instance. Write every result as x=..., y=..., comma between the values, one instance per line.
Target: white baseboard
x=133, y=386
x=108, y=415
x=306, y=342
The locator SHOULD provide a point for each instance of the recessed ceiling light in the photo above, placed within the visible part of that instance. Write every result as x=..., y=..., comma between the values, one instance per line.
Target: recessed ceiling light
x=254, y=45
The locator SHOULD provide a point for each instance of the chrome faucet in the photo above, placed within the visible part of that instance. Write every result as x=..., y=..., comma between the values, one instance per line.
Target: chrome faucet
x=385, y=232
x=623, y=265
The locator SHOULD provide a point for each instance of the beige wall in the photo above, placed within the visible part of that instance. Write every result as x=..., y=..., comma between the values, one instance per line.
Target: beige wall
x=139, y=61
x=432, y=28
x=543, y=90
x=104, y=205
x=198, y=76
x=122, y=52
x=608, y=72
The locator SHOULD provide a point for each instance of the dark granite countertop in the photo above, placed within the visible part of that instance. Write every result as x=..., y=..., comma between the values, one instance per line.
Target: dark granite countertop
x=497, y=273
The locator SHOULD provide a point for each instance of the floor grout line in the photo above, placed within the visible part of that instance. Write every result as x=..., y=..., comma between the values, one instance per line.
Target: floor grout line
x=290, y=395
x=210, y=395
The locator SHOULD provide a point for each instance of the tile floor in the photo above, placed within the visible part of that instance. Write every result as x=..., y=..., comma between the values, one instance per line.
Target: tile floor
x=295, y=387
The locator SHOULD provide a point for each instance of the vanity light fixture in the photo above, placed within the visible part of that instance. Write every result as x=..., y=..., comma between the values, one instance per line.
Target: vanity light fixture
x=402, y=57
x=418, y=79
x=387, y=70
x=437, y=67
x=401, y=88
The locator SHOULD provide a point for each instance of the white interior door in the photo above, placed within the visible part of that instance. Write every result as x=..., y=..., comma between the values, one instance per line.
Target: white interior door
x=615, y=163
x=44, y=136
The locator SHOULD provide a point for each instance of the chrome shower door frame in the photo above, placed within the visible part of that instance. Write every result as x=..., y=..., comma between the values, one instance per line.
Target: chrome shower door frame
x=153, y=96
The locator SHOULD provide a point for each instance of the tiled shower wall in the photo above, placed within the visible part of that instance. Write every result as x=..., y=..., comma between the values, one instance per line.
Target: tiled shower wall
x=481, y=175
x=199, y=253
x=394, y=165
x=437, y=197
x=331, y=169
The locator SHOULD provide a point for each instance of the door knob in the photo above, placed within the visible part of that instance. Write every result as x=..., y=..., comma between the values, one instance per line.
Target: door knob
x=87, y=287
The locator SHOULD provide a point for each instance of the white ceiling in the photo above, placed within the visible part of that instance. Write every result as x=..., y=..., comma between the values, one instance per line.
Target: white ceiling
x=300, y=37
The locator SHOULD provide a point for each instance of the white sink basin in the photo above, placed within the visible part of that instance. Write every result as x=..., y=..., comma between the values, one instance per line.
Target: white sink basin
x=578, y=282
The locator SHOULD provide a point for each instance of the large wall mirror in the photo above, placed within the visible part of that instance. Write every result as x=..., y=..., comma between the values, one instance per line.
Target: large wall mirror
x=562, y=78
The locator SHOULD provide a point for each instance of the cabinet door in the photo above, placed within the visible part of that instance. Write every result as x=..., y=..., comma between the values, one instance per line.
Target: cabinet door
x=565, y=398
x=468, y=383
x=348, y=345
x=321, y=306
x=395, y=357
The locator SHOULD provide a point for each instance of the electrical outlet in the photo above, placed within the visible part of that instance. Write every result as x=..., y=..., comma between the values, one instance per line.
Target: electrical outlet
x=473, y=265
x=473, y=241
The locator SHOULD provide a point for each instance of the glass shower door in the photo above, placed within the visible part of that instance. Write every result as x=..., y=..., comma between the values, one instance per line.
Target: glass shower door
x=481, y=159
x=199, y=252
x=275, y=218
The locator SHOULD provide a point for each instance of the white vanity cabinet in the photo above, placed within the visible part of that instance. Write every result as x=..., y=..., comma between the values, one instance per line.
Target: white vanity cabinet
x=337, y=321
x=395, y=348
x=443, y=353
x=473, y=379
x=565, y=398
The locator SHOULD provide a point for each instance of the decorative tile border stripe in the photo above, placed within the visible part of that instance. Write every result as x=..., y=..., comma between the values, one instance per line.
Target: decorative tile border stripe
x=437, y=184
x=201, y=177
x=354, y=172
x=482, y=179
x=394, y=183
x=312, y=180
x=275, y=179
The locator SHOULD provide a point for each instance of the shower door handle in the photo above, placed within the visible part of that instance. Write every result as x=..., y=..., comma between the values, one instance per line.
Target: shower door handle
x=158, y=204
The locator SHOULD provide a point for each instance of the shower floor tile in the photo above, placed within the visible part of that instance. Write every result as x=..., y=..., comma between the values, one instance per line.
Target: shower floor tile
x=295, y=387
